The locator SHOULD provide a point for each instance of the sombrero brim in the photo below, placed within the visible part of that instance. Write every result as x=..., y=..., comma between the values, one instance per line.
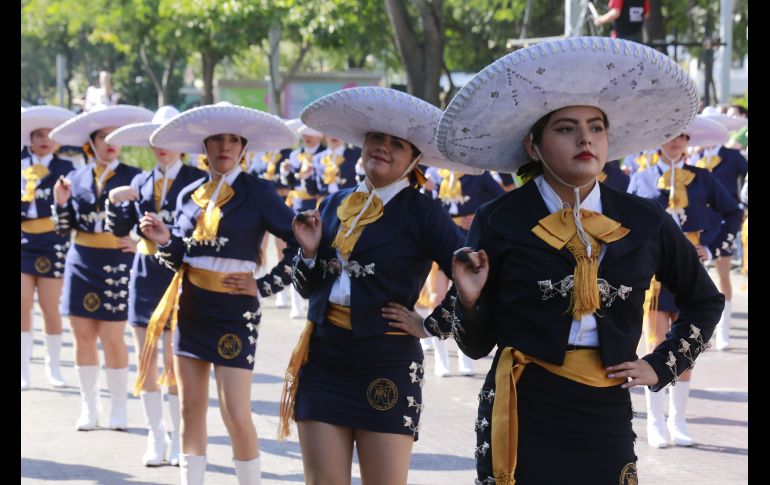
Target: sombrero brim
x=37, y=117
x=76, y=130
x=647, y=97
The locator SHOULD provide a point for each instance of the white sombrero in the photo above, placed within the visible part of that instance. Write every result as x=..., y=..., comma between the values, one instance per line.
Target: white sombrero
x=185, y=132
x=77, y=130
x=37, y=117
x=297, y=126
x=705, y=132
x=349, y=114
x=732, y=123
x=647, y=97
x=138, y=134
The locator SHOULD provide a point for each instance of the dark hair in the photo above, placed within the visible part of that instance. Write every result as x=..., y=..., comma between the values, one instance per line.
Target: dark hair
x=244, y=141
x=741, y=109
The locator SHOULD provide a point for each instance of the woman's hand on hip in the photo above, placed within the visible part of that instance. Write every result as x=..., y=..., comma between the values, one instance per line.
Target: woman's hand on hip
x=405, y=319
x=639, y=371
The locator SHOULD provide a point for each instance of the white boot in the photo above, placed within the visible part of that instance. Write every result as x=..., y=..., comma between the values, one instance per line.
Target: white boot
x=117, y=383
x=88, y=379
x=157, y=440
x=297, y=304
x=192, y=468
x=441, y=357
x=722, y=331
x=464, y=364
x=173, y=409
x=280, y=299
x=656, y=425
x=248, y=472
x=677, y=413
x=27, y=342
x=52, y=369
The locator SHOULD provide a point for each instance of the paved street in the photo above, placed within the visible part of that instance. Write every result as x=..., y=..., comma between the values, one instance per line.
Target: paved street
x=52, y=451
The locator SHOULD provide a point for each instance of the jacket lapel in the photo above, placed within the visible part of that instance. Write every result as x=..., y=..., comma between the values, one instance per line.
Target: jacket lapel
x=394, y=220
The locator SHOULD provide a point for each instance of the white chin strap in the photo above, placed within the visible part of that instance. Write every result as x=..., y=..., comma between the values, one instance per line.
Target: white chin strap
x=576, y=208
x=212, y=202
x=373, y=192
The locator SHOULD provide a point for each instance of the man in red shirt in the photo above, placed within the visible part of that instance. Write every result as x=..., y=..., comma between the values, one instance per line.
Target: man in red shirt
x=627, y=17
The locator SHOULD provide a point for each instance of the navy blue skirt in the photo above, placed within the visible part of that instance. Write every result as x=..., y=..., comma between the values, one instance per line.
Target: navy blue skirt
x=371, y=383
x=149, y=281
x=43, y=254
x=217, y=327
x=96, y=283
x=568, y=432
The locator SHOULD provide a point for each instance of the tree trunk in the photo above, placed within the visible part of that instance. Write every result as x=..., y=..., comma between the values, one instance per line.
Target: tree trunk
x=210, y=62
x=422, y=61
x=165, y=95
x=274, y=62
x=148, y=69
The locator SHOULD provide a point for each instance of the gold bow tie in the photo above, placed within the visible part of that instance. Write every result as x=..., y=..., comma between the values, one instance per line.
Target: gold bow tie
x=208, y=222
x=271, y=159
x=602, y=176
x=331, y=164
x=709, y=163
x=32, y=174
x=451, y=190
x=99, y=169
x=157, y=192
x=558, y=230
x=347, y=212
x=682, y=178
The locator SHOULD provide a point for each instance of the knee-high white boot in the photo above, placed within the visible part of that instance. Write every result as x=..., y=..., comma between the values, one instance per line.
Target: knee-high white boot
x=441, y=357
x=464, y=364
x=117, y=383
x=297, y=304
x=248, y=472
x=157, y=440
x=173, y=410
x=88, y=379
x=656, y=424
x=192, y=468
x=27, y=342
x=280, y=299
x=722, y=331
x=677, y=413
x=52, y=360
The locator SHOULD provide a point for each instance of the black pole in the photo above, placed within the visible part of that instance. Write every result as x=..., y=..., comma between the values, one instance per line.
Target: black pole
x=708, y=61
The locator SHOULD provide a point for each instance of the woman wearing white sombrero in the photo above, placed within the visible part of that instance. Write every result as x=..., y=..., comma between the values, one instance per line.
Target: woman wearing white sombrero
x=42, y=250
x=220, y=221
x=729, y=167
x=96, y=271
x=556, y=271
x=699, y=205
x=155, y=191
x=356, y=374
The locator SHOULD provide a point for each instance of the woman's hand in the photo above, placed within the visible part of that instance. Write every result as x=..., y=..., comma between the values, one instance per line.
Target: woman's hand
x=639, y=371
x=127, y=244
x=118, y=195
x=307, y=229
x=154, y=228
x=404, y=319
x=470, y=270
x=62, y=191
x=240, y=284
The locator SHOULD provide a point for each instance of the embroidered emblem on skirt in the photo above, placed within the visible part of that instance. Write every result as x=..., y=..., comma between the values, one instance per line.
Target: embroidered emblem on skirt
x=91, y=302
x=628, y=475
x=229, y=346
x=382, y=394
x=42, y=265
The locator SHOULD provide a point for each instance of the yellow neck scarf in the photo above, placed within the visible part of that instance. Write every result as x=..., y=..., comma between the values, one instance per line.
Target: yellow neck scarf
x=331, y=164
x=208, y=221
x=559, y=230
x=157, y=191
x=709, y=162
x=682, y=178
x=99, y=169
x=451, y=189
x=602, y=176
x=347, y=212
x=32, y=174
x=270, y=158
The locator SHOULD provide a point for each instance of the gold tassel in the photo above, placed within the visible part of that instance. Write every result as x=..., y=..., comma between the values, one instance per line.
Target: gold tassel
x=298, y=358
x=167, y=307
x=419, y=176
x=585, y=290
x=651, y=301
